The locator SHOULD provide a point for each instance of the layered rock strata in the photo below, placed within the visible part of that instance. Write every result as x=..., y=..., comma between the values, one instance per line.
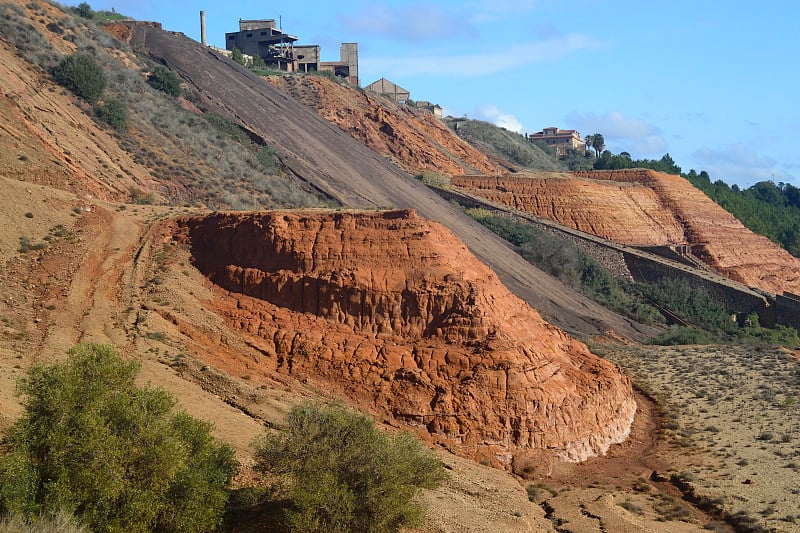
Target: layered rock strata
x=415, y=140
x=628, y=213
x=646, y=208
x=395, y=313
x=715, y=235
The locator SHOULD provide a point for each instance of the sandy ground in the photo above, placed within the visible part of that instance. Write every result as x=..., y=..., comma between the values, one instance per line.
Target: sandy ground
x=112, y=274
x=738, y=406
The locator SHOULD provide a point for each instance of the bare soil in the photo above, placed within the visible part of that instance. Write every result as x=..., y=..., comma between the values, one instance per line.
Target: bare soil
x=113, y=277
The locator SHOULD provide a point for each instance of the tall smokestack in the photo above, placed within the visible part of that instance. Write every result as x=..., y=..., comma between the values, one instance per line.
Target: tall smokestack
x=203, y=28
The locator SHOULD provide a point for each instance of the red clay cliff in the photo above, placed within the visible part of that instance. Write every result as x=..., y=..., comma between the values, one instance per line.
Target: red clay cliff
x=395, y=313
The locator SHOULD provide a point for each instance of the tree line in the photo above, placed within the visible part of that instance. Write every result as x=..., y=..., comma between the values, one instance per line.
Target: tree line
x=766, y=208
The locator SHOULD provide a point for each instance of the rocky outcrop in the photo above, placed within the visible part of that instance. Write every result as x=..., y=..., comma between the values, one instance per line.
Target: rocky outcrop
x=646, y=208
x=715, y=235
x=393, y=311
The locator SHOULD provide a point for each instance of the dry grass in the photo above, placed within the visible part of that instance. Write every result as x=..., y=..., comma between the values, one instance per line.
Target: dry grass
x=738, y=405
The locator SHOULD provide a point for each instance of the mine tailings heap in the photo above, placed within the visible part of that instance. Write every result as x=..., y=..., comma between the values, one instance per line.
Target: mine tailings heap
x=641, y=207
x=394, y=312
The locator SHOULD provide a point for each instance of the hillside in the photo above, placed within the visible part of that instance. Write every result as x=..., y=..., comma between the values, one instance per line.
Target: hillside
x=505, y=144
x=647, y=208
x=413, y=139
x=332, y=162
x=377, y=291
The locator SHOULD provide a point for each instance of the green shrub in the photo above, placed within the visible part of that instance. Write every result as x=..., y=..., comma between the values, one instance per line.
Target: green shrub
x=164, y=80
x=434, y=179
x=84, y=10
x=344, y=474
x=82, y=75
x=676, y=335
x=113, y=112
x=238, y=56
x=91, y=442
x=267, y=158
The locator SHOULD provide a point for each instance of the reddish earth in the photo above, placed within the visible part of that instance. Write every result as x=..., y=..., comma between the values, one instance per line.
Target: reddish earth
x=48, y=137
x=483, y=367
x=392, y=311
x=415, y=140
x=647, y=208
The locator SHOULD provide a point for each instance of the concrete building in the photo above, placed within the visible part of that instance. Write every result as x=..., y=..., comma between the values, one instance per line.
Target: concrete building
x=433, y=109
x=559, y=139
x=390, y=90
x=263, y=38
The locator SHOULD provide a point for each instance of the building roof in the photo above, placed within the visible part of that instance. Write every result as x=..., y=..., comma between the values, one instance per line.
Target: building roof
x=384, y=86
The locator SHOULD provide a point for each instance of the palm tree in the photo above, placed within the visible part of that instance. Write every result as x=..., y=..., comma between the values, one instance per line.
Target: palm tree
x=597, y=142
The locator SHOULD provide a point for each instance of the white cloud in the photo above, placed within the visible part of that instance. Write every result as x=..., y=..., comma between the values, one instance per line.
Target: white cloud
x=472, y=65
x=419, y=22
x=490, y=113
x=621, y=133
x=740, y=164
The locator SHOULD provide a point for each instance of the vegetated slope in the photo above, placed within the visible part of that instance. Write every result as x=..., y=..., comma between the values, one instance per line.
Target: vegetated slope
x=415, y=140
x=47, y=137
x=330, y=160
x=504, y=144
x=168, y=152
x=648, y=208
x=393, y=311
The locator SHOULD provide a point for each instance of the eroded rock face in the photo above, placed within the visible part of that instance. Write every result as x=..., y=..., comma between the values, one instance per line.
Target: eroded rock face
x=414, y=140
x=629, y=213
x=647, y=208
x=395, y=313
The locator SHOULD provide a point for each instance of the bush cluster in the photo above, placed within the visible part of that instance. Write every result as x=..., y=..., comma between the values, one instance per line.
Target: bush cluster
x=164, y=80
x=113, y=112
x=81, y=74
x=344, y=474
x=91, y=442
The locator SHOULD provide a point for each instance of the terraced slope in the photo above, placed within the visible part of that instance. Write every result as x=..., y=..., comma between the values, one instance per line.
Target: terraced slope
x=646, y=208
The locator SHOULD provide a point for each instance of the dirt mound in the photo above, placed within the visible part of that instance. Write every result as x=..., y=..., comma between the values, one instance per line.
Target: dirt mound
x=394, y=312
x=415, y=140
x=647, y=208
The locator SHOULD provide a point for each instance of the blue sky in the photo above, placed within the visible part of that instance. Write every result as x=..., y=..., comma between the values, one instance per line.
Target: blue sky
x=713, y=84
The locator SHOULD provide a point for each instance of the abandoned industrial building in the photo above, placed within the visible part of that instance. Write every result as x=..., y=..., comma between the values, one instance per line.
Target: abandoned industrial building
x=390, y=90
x=263, y=38
x=561, y=140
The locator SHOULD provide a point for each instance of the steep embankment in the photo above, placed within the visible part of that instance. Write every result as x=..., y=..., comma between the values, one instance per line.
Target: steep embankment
x=394, y=312
x=628, y=213
x=647, y=208
x=48, y=137
x=415, y=140
x=326, y=157
x=716, y=236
